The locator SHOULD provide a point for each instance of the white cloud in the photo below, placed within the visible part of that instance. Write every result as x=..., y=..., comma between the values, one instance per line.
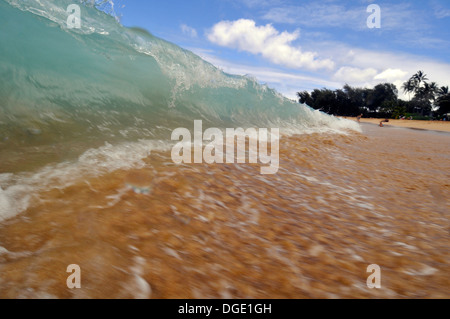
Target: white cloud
x=352, y=75
x=188, y=31
x=357, y=67
x=277, y=47
x=391, y=75
x=408, y=63
x=394, y=67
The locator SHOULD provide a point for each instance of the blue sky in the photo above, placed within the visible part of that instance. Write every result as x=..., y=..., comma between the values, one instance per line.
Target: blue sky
x=302, y=45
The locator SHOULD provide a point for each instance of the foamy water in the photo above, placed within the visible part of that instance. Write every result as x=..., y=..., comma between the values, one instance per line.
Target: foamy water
x=338, y=204
x=18, y=189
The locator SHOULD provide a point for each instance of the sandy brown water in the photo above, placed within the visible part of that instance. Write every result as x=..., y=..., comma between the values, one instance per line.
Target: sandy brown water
x=338, y=204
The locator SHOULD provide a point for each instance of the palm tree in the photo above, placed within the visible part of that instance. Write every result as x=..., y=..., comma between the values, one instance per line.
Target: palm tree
x=427, y=93
x=419, y=78
x=423, y=91
x=443, y=100
x=443, y=90
x=433, y=90
x=409, y=87
x=414, y=84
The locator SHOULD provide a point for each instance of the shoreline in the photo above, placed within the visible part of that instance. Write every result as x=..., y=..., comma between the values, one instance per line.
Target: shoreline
x=439, y=126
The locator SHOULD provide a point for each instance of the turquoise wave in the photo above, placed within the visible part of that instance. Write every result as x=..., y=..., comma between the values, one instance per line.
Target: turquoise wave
x=106, y=82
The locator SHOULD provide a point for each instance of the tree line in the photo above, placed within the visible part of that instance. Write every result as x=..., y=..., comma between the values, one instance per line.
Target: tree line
x=426, y=100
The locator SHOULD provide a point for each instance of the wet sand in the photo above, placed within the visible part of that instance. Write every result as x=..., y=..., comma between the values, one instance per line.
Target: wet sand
x=338, y=204
x=443, y=126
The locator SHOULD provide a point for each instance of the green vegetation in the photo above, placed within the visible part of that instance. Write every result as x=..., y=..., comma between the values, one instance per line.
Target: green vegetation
x=429, y=101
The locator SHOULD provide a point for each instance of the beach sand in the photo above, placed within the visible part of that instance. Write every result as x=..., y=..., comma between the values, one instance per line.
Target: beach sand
x=443, y=126
x=338, y=204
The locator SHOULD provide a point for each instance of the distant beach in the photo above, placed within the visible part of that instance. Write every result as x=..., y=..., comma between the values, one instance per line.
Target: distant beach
x=443, y=126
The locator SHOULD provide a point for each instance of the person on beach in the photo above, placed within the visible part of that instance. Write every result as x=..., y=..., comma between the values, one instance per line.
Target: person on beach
x=384, y=121
x=358, y=118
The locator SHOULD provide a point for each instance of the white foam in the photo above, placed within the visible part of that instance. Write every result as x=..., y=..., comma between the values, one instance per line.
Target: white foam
x=3, y=251
x=4, y=202
x=13, y=200
x=17, y=191
x=324, y=123
x=138, y=286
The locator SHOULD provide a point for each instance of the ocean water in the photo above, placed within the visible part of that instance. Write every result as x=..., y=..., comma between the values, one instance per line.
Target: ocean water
x=86, y=178
x=69, y=94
